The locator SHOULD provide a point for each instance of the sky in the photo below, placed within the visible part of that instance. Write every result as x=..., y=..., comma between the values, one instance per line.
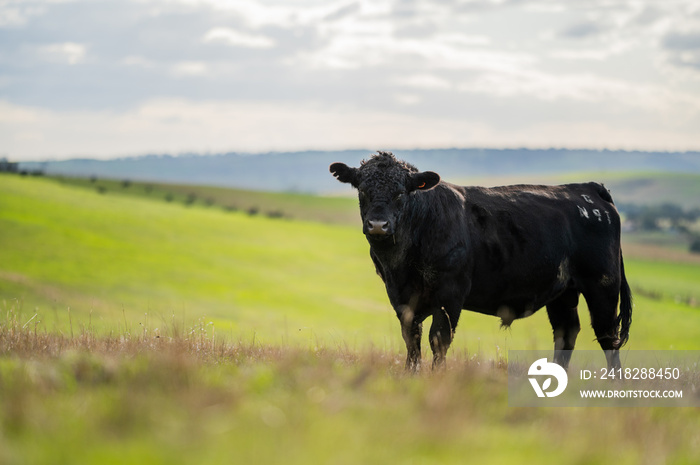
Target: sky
x=108, y=78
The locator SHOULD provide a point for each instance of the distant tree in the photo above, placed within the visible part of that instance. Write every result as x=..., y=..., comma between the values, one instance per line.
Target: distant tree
x=649, y=221
x=126, y=183
x=93, y=179
x=190, y=199
x=652, y=217
x=8, y=166
x=275, y=214
x=695, y=245
x=169, y=197
x=673, y=213
x=209, y=201
x=148, y=188
x=253, y=211
x=101, y=190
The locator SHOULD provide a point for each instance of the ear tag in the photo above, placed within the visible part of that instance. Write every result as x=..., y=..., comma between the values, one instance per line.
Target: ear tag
x=421, y=186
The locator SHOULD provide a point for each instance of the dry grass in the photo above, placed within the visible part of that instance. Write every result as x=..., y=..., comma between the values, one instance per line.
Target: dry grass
x=658, y=253
x=183, y=395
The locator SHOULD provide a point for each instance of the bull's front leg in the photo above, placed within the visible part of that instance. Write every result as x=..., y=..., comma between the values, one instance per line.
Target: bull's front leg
x=411, y=330
x=442, y=332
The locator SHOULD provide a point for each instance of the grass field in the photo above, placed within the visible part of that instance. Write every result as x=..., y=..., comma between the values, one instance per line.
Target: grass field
x=322, y=209
x=134, y=330
x=118, y=262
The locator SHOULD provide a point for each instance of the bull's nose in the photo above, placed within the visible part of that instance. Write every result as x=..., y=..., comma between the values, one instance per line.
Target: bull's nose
x=379, y=227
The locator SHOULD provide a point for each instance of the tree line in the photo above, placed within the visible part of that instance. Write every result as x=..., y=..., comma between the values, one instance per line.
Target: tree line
x=7, y=166
x=665, y=217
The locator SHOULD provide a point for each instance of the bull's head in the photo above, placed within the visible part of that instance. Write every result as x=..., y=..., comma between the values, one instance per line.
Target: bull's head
x=385, y=185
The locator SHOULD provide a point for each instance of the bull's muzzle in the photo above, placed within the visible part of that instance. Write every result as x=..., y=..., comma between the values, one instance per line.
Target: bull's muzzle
x=377, y=227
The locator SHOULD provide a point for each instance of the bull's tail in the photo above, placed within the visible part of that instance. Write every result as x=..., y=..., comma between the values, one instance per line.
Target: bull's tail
x=624, y=318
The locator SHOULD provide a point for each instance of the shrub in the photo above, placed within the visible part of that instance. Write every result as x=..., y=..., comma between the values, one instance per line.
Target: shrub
x=695, y=245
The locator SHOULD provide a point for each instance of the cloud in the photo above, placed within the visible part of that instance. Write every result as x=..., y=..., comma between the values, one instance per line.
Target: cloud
x=648, y=16
x=681, y=41
x=235, y=38
x=343, y=12
x=190, y=68
x=176, y=126
x=582, y=30
x=424, y=81
x=18, y=15
x=257, y=15
x=379, y=48
x=137, y=61
x=682, y=47
x=589, y=89
x=67, y=52
x=601, y=53
x=407, y=99
x=498, y=66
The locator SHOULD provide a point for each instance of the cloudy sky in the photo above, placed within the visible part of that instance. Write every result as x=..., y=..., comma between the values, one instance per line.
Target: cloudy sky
x=108, y=78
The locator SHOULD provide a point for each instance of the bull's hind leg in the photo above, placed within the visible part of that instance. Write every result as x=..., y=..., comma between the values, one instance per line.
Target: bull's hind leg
x=602, y=304
x=563, y=315
x=442, y=332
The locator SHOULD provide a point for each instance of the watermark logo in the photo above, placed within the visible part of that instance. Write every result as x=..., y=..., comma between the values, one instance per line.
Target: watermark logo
x=546, y=370
x=647, y=378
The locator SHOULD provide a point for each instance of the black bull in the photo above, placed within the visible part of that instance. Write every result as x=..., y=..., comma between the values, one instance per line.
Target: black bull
x=503, y=251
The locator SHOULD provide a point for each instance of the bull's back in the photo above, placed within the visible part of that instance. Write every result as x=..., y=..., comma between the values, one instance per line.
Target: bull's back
x=528, y=242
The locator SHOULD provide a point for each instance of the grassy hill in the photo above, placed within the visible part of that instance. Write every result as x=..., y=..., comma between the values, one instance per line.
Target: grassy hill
x=119, y=258
x=640, y=188
x=127, y=260
x=322, y=209
x=142, y=331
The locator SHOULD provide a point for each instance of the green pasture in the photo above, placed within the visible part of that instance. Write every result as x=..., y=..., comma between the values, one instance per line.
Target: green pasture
x=77, y=258
x=136, y=330
x=322, y=209
x=119, y=258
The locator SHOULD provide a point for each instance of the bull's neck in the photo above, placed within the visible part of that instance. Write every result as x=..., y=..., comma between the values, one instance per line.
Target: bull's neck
x=392, y=248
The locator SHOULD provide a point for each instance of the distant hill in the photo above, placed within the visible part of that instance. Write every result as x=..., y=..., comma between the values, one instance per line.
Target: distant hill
x=308, y=171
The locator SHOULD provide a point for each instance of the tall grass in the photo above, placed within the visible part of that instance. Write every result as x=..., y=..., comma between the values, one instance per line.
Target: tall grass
x=182, y=395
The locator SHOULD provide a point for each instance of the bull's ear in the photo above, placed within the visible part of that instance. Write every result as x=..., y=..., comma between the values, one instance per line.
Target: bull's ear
x=344, y=173
x=423, y=181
